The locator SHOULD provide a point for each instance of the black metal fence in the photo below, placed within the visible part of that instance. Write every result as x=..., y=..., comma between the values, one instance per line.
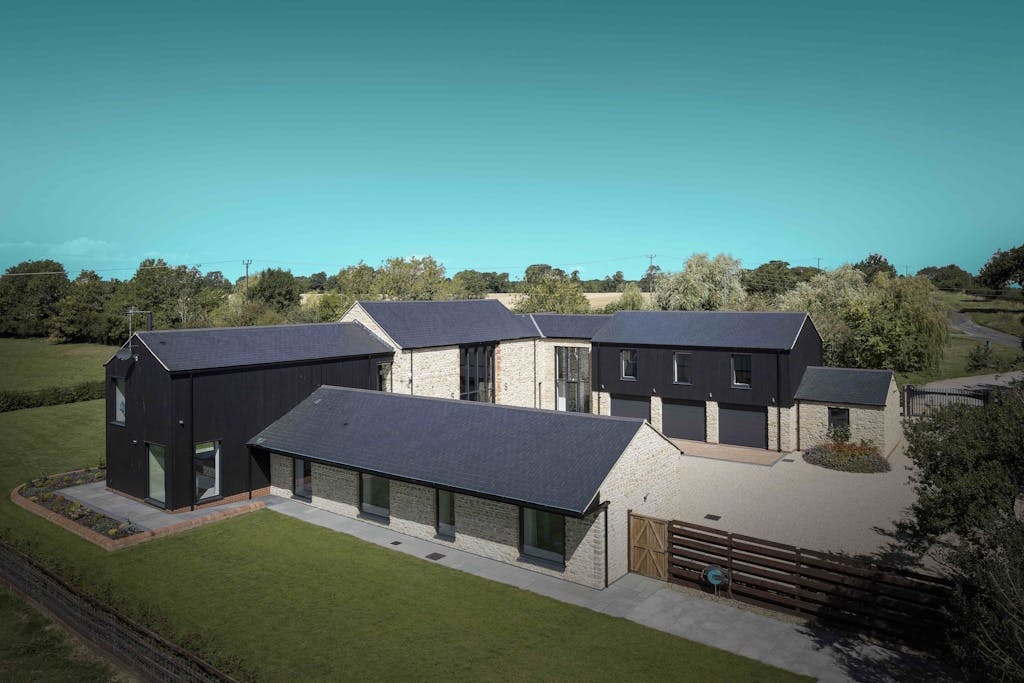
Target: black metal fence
x=919, y=400
x=146, y=653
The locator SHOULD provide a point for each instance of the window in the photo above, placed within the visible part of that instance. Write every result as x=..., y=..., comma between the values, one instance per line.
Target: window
x=476, y=373
x=119, y=400
x=375, y=495
x=445, y=513
x=838, y=418
x=627, y=364
x=682, y=362
x=572, y=379
x=741, y=370
x=543, y=535
x=206, y=465
x=156, y=457
x=303, y=475
x=384, y=377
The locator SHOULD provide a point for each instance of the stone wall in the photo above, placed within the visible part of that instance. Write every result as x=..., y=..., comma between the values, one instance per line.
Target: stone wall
x=788, y=431
x=435, y=371
x=648, y=479
x=546, y=370
x=893, y=419
x=711, y=421
x=400, y=375
x=867, y=423
x=601, y=403
x=281, y=475
x=515, y=374
x=656, y=420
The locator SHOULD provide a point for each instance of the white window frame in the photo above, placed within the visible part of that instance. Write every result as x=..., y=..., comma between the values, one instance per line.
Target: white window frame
x=120, y=400
x=622, y=364
x=675, y=367
x=214, y=492
x=732, y=367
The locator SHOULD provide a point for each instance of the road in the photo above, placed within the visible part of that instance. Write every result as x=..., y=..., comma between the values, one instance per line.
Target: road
x=973, y=329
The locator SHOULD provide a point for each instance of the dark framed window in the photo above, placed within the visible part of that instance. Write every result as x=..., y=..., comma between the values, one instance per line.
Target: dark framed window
x=627, y=364
x=838, y=418
x=156, y=460
x=375, y=495
x=542, y=535
x=445, y=513
x=384, y=381
x=682, y=362
x=572, y=379
x=120, y=402
x=476, y=373
x=302, y=478
x=741, y=370
x=206, y=466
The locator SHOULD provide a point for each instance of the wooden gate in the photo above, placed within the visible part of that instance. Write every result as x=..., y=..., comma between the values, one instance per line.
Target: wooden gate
x=648, y=543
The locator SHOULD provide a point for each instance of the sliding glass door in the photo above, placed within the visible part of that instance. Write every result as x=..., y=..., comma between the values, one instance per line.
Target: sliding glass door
x=157, y=459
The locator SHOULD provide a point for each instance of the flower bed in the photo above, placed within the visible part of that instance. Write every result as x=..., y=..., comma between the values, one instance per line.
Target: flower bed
x=44, y=491
x=847, y=457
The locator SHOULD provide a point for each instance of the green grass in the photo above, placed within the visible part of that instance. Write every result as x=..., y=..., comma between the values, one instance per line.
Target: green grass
x=954, y=362
x=270, y=597
x=33, y=648
x=37, y=363
x=999, y=314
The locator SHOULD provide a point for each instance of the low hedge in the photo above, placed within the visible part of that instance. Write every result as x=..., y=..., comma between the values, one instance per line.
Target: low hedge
x=847, y=457
x=51, y=396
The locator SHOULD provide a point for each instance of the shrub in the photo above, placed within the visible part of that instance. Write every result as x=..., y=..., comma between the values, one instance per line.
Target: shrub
x=839, y=433
x=847, y=457
x=51, y=396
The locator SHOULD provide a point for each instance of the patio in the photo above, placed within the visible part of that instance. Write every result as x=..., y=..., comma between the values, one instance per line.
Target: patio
x=729, y=453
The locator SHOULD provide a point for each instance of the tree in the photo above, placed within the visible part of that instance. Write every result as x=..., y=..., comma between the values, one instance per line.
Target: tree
x=414, y=279
x=826, y=297
x=969, y=478
x=650, y=277
x=472, y=283
x=952, y=277
x=704, y=284
x=28, y=303
x=874, y=264
x=1005, y=267
x=551, y=293
x=82, y=315
x=276, y=288
x=318, y=281
x=769, y=279
x=632, y=299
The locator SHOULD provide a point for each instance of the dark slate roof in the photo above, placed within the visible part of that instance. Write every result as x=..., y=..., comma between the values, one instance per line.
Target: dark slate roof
x=540, y=458
x=845, y=385
x=228, y=347
x=564, y=326
x=421, y=324
x=723, y=329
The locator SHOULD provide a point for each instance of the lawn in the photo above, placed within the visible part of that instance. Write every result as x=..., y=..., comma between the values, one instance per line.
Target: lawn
x=33, y=648
x=269, y=597
x=954, y=361
x=1002, y=314
x=37, y=363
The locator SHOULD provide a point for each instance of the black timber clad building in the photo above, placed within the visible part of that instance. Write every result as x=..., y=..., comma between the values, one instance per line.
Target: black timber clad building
x=745, y=362
x=182, y=404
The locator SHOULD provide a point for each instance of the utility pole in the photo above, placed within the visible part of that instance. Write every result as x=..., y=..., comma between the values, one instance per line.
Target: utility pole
x=246, y=263
x=819, y=262
x=650, y=274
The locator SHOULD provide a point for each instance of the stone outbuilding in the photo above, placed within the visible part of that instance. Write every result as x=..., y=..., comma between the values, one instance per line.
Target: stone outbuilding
x=865, y=401
x=546, y=490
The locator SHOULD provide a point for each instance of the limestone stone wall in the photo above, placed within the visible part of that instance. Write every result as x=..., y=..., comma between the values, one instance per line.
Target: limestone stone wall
x=893, y=419
x=711, y=421
x=647, y=479
x=483, y=527
x=787, y=416
x=435, y=371
x=867, y=423
x=601, y=403
x=515, y=373
x=656, y=420
x=400, y=374
x=546, y=370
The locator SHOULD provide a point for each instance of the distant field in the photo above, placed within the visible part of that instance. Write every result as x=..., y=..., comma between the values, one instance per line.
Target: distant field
x=598, y=300
x=999, y=314
x=954, y=361
x=36, y=363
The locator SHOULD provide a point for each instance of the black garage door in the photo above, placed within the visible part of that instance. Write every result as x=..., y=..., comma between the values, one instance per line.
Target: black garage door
x=683, y=419
x=743, y=425
x=631, y=406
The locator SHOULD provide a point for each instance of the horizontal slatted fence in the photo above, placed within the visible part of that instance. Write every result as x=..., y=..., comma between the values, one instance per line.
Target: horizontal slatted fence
x=851, y=593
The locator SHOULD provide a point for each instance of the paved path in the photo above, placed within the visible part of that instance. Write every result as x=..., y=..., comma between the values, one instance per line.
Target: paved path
x=97, y=497
x=1001, y=379
x=973, y=329
x=808, y=650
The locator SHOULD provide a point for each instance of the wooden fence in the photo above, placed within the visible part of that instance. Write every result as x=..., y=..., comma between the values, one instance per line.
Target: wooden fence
x=832, y=588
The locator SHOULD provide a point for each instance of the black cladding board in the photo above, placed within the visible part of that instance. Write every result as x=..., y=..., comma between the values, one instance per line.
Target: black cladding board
x=771, y=331
x=631, y=406
x=743, y=425
x=539, y=458
x=424, y=324
x=684, y=419
x=845, y=385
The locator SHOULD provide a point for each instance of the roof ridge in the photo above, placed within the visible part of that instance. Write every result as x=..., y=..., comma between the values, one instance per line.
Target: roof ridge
x=245, y=327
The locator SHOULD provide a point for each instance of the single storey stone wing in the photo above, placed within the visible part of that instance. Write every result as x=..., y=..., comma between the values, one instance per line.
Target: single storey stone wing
x=537, y=488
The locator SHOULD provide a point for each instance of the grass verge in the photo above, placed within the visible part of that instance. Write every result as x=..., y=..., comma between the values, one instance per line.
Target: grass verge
x=1001, y=314
x=268, y=597
x=954, y=362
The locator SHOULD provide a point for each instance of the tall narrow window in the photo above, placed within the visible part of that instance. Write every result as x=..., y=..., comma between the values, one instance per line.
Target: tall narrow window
x=120, y=405
x=572, y=379
x=445, y=513
x=207, y=469
x=376, y=495
x=384, y=377
x=157, y=484
x=682, y=361
x=543, y=535
x=303, y=486
x=741, y=370
x=476, y=373
x=627, y=364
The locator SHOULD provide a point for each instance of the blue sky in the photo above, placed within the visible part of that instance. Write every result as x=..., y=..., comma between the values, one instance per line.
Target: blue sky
x=495, y=135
